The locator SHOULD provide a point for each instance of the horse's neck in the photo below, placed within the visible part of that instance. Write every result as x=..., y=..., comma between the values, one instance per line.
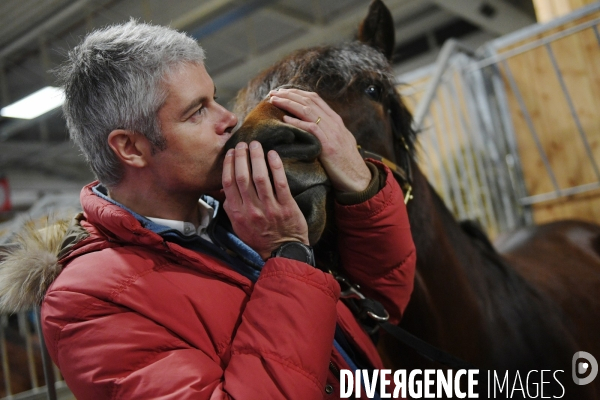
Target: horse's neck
x=444, y=293
x=465, y=293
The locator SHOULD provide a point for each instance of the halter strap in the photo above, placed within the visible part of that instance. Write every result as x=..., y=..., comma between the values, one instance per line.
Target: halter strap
x=404, y=174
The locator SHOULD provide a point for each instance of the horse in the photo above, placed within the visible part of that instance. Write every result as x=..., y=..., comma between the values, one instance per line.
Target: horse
x=524, y=311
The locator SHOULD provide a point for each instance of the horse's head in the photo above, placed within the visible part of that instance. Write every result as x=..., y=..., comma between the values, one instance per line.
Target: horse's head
x=299, y=152
x=355, y=79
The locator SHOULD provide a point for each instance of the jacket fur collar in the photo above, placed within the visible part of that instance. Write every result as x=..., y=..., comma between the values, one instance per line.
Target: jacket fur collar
x=30, y=265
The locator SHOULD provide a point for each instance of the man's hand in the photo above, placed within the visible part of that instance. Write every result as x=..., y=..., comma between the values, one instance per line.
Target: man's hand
x=262, y=217
x=340, y=158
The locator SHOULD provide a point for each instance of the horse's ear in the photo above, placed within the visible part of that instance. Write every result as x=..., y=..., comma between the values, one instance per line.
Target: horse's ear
x=377, y=29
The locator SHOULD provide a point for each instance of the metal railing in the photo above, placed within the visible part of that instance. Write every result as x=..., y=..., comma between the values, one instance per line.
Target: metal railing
x=470, y=151
x=26, y=366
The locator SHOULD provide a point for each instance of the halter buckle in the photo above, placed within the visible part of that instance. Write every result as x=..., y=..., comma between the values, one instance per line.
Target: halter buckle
x=362, y=306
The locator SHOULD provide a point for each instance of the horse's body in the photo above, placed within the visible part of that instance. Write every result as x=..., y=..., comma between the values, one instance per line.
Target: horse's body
x=530, y=309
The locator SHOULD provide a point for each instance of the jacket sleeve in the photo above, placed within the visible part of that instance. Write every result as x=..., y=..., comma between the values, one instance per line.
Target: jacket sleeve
x=280, y=350
x=376, y=247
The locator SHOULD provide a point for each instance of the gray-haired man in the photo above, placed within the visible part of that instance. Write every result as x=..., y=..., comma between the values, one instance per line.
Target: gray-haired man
x=146, y=304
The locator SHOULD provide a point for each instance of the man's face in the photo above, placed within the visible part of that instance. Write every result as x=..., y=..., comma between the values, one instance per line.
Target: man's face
x=195, y=128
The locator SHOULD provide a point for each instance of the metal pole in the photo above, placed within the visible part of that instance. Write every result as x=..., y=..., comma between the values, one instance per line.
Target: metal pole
x=513, y=160
x=5, y=366
x=496, y=149
x=26, y=334
x=433, y=134
x=448, y=159
x=449, y=48
x=574, y=114
x=459, y=147
x=497, y=58
x=475, y=132
x=478, y=208
x=529, y=121
x=46, y=361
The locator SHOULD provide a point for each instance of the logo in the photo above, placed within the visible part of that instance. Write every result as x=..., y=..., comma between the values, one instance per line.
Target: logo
x=581, y=368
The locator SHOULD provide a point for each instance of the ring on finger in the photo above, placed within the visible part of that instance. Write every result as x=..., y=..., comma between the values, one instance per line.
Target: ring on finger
x=317, y=121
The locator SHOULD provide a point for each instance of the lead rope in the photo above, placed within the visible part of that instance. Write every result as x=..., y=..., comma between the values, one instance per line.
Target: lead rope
x=373, y=315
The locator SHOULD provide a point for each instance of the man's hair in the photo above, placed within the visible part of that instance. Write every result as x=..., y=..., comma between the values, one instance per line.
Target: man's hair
x=114, y=80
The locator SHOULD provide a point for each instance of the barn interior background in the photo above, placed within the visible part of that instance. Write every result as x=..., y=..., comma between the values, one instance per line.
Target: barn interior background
x=506, y=93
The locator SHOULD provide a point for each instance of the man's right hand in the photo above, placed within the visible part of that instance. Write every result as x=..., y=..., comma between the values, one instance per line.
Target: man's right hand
x=261, y=216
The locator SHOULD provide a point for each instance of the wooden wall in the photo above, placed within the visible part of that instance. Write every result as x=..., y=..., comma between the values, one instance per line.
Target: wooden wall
x=547, y=10
x=578, y=58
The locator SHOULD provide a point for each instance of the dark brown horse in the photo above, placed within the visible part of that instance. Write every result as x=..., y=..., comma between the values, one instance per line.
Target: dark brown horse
x=529, y=309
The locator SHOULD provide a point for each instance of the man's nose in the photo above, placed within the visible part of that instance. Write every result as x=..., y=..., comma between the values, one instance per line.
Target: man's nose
x=229, y=121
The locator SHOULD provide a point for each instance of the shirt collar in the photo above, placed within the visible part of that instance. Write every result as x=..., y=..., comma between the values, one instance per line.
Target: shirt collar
x=207, y=207
x=187, y=228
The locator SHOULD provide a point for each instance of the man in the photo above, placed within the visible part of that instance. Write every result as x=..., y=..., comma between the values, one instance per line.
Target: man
x=156, y=298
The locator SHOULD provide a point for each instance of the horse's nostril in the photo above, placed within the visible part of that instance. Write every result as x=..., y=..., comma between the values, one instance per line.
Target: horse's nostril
x=291, y=142
x=288, y=141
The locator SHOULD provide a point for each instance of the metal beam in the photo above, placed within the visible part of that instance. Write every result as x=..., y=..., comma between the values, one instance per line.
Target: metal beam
x=495, y=16
x=199, y=13
x=18, y=125
x=343, y=27
x=291, y=16
x=70, y=12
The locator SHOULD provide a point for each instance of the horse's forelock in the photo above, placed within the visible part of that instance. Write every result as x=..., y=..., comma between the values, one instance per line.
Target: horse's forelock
x=328, y=70
x=331, y=71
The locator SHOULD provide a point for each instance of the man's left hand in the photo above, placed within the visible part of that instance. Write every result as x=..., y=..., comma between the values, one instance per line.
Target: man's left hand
x=340, y=158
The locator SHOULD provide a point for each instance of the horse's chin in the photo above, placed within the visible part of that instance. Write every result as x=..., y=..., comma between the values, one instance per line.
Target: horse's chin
x=313, y=203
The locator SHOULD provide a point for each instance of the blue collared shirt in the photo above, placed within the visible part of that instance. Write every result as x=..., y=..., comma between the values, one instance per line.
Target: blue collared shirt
x=216, y=241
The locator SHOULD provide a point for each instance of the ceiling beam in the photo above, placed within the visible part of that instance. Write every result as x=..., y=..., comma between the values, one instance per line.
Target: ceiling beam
x=291, y=16
x=70, y=12
x=495, y=16
x=37, y=154
x=12, y=128
x=343, y=27
x=199, y=13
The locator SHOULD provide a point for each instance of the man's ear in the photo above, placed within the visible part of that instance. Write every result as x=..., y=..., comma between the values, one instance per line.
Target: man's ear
x=133, y=149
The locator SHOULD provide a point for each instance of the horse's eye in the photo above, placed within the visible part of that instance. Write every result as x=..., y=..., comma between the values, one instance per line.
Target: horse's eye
x=374, y=92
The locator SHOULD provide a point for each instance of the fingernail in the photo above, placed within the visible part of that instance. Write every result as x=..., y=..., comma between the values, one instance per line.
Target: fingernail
x=241, y=146
x=273, y=155
x=229, y=153
x=254, y=145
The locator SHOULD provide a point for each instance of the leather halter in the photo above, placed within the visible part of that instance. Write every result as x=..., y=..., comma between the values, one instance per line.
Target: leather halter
x=403, y=174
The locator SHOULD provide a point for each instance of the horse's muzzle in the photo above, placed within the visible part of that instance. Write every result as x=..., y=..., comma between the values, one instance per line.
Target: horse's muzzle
x=299, y=152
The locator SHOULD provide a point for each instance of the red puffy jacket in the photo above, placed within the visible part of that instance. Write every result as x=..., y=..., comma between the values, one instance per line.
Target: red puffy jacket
x=132, y=316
